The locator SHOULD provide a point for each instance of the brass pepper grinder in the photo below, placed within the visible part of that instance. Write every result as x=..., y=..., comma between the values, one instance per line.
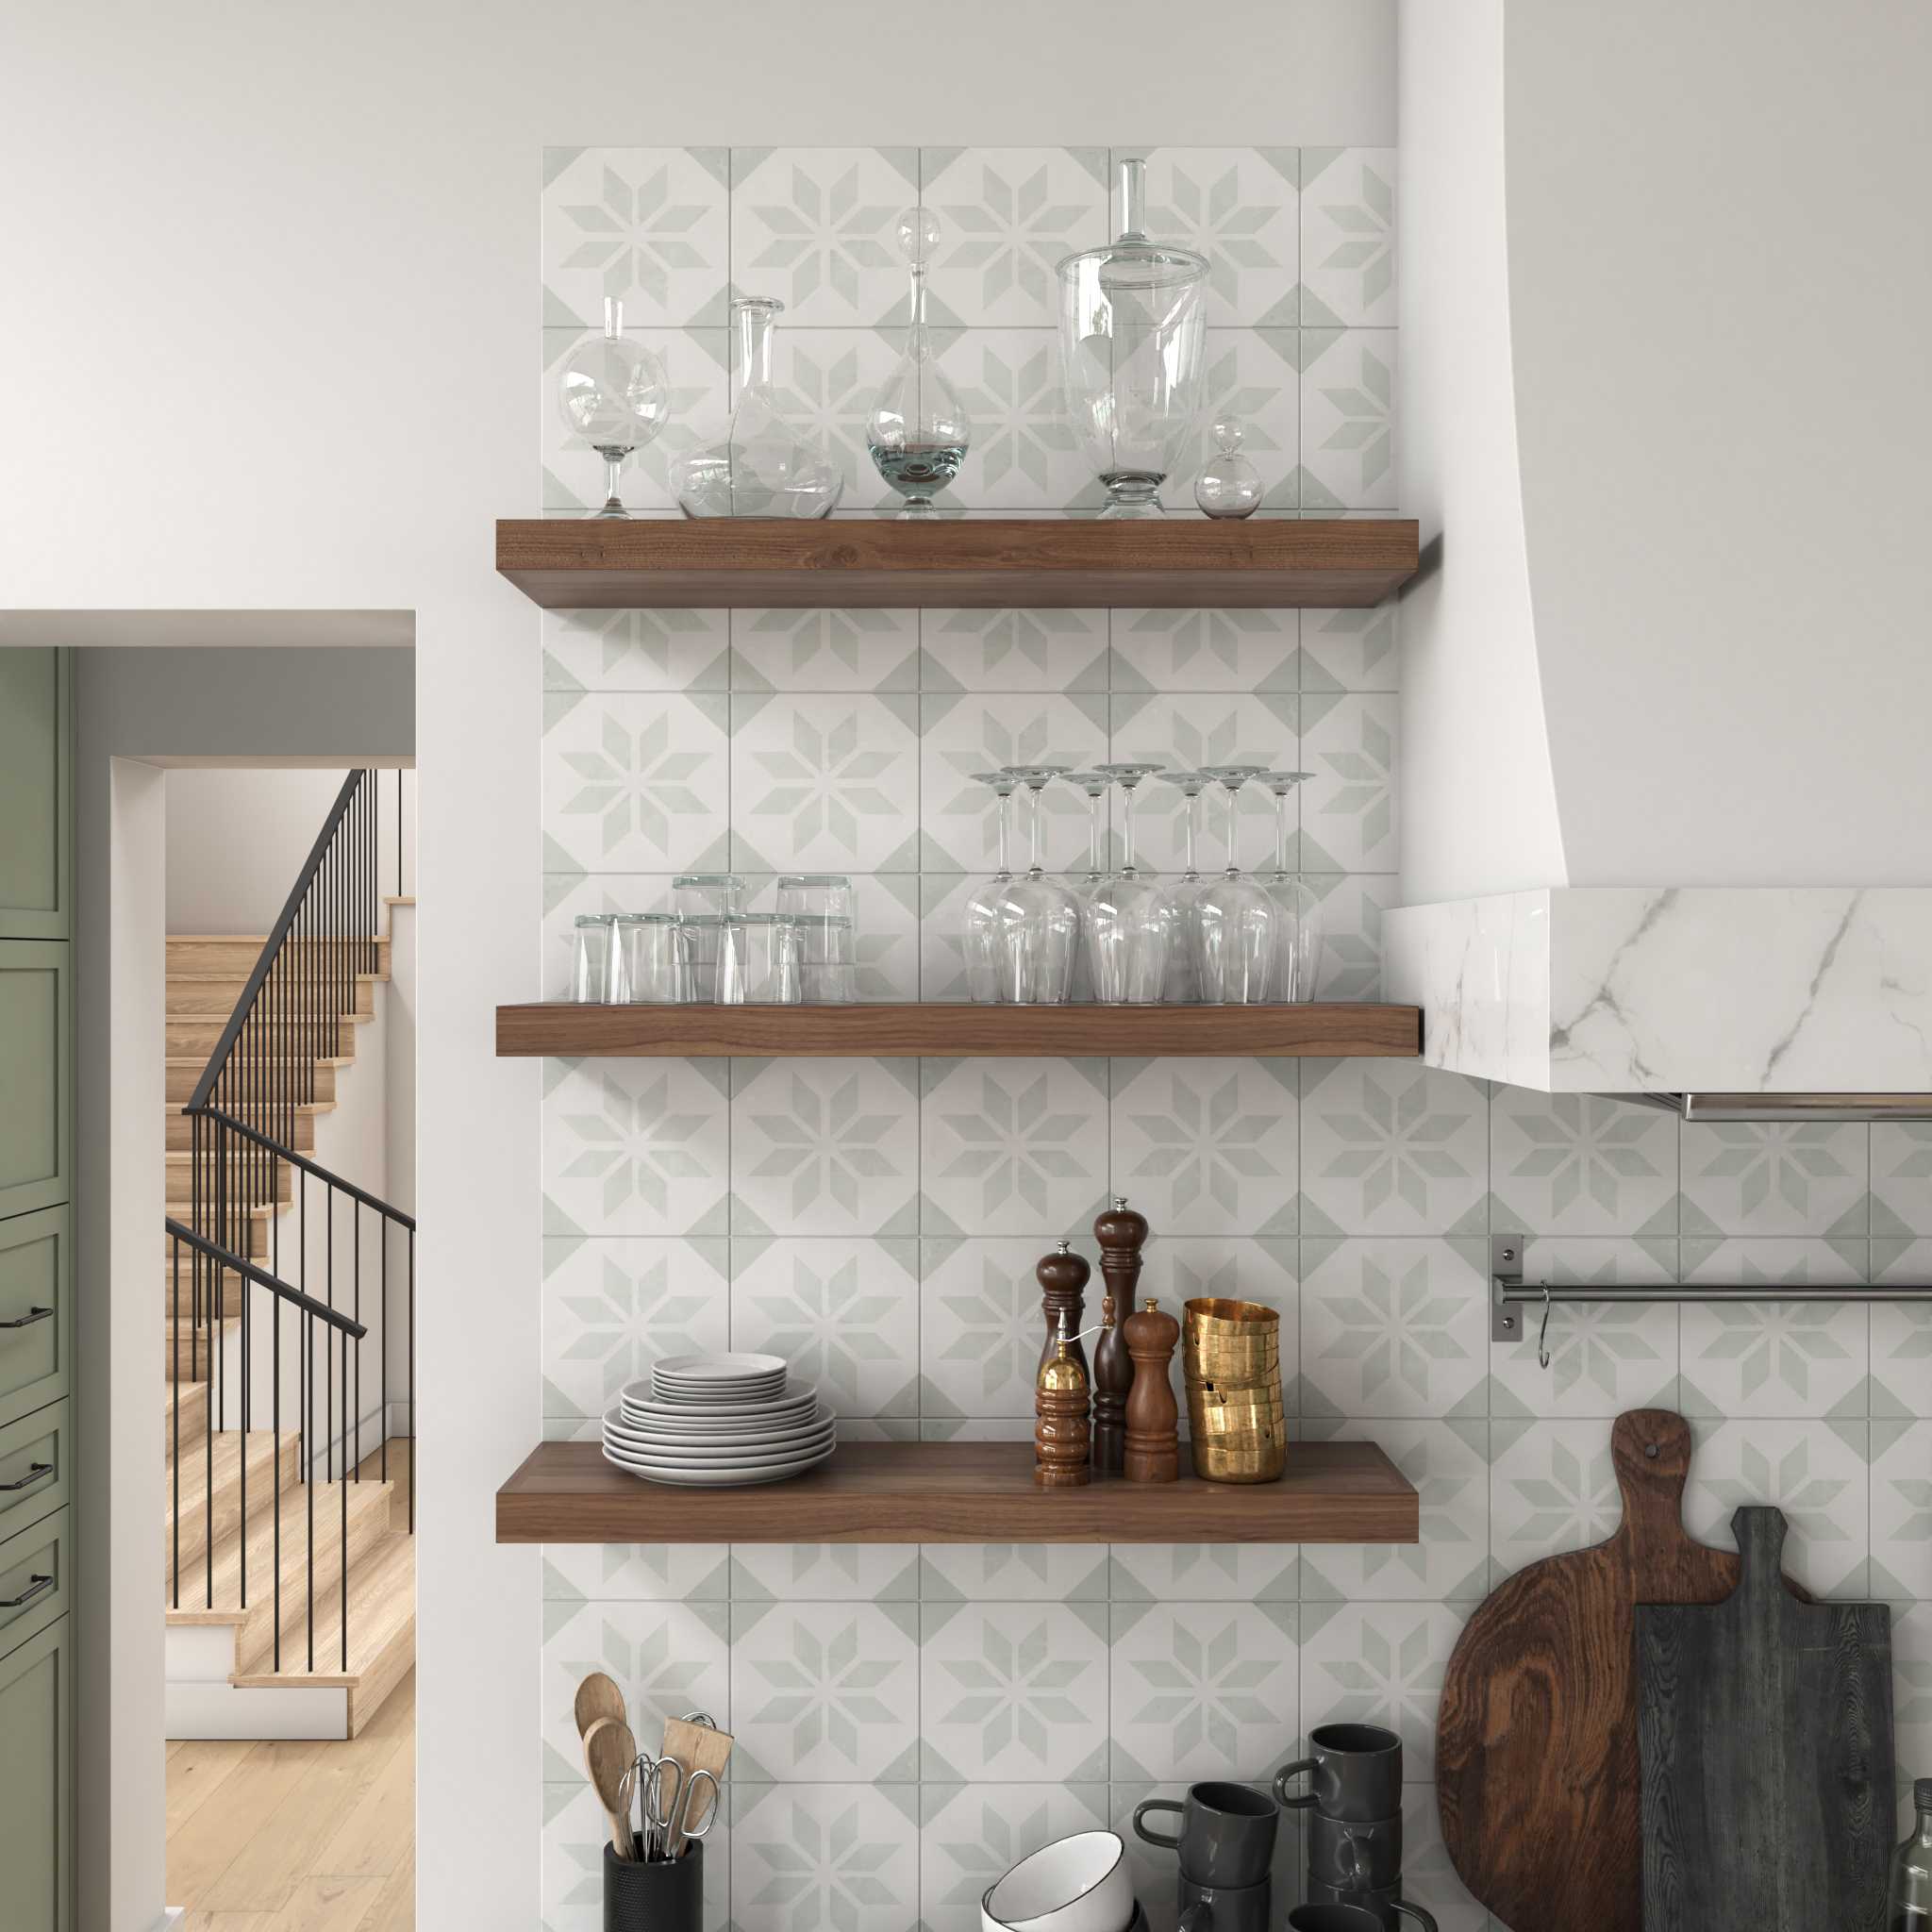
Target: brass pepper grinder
x=1153, y=1449
x=1062, y=1276
x=1060, y=1403
x=1121, y=1233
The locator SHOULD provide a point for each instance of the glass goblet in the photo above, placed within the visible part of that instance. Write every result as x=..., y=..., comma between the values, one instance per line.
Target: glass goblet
x=613, y=395
x=1130, y=919
x=1236, y=921
x=1044, y=917
x=985, y=931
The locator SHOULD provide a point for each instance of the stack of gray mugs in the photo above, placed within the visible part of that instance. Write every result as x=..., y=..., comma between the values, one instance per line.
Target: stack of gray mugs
x=1226, y=1846
x=1354, y=1802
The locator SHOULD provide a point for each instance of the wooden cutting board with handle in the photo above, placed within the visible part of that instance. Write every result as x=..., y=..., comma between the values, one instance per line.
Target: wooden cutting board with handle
x=1764, y=1728
x=1536, y=1769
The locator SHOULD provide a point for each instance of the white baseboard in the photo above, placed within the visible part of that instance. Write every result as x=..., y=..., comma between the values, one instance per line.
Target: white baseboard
x=225, y=1710
x=171, y=1916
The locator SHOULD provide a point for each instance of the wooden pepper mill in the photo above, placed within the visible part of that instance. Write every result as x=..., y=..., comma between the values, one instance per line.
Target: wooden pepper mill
x=1060, y=1440
x=1119, y=1232
x=1062, y=1276
x=1154, y=1447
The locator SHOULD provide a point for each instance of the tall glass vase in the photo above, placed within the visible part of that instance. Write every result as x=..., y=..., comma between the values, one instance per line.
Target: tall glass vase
x=763, y=468
x=1132, y=332
x=918, y=430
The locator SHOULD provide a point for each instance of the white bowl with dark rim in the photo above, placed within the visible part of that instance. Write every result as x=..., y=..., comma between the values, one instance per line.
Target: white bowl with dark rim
x=1077, y=1884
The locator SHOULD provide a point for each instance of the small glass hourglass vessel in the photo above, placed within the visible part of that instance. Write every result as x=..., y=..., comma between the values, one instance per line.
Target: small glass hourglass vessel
x=918, y=431
x=1236, y=921
x=1043, y=918
x=1129, y=919
x=612, y=393
x=1228, y=485
x=763, y=468
x=986, y=924
x=1298, y=946
x=1183, y=969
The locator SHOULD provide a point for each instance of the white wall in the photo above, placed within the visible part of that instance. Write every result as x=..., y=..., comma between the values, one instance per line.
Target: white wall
x=1479, y=806
x=236, y=842
x=318, y=226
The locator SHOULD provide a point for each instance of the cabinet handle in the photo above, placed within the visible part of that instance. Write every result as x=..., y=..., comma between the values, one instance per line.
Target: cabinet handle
x=35, y=1471
x=27, y=1320
x=36, y=1586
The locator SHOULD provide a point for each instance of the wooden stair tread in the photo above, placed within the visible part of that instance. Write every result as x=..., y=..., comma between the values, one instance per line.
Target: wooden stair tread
x=226, y=1445
x=382, y=1608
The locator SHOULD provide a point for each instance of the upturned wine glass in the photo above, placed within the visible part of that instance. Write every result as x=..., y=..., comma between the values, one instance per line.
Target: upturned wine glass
x=1236, y=921
x=1129, y=920
x=1183, y=969
x=986, y=920
x=1096, y=785
x=611, y=392
x=1298, y=950
x=1044, y=917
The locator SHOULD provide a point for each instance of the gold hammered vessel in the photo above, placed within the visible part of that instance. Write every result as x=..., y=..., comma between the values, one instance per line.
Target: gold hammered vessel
x=1231, y=1364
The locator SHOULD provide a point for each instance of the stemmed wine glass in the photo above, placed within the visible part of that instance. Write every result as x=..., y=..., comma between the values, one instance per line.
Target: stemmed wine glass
x=1298, y=951
x=1183, y=968
x=1043, y=918
x=986, y=910
x=1130, y=920
x=1096, y=785
x=1236, y=921
x=611, y=392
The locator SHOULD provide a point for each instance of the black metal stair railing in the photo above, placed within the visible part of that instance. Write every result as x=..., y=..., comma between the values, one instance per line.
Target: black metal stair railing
x=248, y=1180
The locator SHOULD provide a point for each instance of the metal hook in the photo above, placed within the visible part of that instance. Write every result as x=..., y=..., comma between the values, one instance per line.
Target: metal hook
x=1542, y=1353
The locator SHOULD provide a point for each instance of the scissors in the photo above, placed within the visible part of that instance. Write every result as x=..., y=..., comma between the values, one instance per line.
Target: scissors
x=668, y=1796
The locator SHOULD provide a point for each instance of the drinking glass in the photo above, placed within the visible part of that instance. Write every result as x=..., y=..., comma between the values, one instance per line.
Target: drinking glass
x=1298, y=951
x=986, y=910
x=1236, y=921
x=819, y=906
x=648, y=953
x=1129, y=919
x=611, y=392
x=758, y=961
x=589, y=958
x=701, y=900
x=1183, y=969
x=1042, y=918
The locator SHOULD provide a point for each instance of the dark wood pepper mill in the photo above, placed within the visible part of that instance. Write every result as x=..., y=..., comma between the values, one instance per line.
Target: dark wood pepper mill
x=1154, y=1448
x=1119, y=1232
x=1060, y=1439
x=1062, y=1276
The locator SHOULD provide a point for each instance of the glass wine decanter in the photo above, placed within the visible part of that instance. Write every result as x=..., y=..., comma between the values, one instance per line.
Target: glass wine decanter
x=1183, y=969
x=763, y=468
x=1298, y=945
x=611, y=392
x=918, y=431
x=1129, y=920
x=1228, y=485
x=1236, y=921
x=1042, y=917
x=986, y=923
x=1132, y=329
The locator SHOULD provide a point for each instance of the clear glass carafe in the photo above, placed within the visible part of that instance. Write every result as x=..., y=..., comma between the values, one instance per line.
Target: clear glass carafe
x=1132, y=334
x=918, y=431
x=764, y=467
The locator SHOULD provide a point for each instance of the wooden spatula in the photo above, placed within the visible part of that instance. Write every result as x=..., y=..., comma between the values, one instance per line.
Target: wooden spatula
x=598, y=1698
x=696, y=1747
x=611, y=1754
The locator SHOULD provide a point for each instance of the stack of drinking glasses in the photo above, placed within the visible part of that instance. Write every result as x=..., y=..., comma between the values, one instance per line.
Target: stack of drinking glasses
x=1123, y=937
x=709, y=949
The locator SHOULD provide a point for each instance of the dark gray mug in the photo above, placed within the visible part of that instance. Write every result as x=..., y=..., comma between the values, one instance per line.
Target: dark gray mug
x=1226, y=1834
x=1356, y=1857
x=1222, y=1908
x=1384, y=1910
x=1355, y=1773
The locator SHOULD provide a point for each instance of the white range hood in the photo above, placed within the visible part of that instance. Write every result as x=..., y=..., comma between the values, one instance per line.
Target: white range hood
x=1666, y=759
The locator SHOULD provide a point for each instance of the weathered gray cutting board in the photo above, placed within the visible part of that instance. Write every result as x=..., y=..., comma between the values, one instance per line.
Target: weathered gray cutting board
x=1764, y=1731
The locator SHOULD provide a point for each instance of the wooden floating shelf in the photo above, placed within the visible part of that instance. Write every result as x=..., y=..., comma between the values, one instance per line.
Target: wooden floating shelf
x=1322, y=1031
x=960, y=1493
x=979, y=562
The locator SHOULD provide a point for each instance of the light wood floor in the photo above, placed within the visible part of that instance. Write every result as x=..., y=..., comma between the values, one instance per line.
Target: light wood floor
x=299, y=1837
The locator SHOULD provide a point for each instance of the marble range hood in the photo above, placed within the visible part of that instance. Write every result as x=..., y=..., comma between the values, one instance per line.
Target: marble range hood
x=1663, y=759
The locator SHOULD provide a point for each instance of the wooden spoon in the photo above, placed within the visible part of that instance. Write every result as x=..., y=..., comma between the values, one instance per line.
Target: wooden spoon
x=610, y=1753
x=598, y=1698
x=696, y=1747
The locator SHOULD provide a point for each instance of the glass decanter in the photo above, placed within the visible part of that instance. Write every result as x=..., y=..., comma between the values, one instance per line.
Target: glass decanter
x=611, y=392
x=1298, y=944
x=918, y=431
x=1236, y=921
x=1132, y=331
x=763, y=467
x=1228, y=485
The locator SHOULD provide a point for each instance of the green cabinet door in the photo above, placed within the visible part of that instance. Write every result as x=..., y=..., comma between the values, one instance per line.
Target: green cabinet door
x=36, y=795
x=36, y=1781
x=36, y=1074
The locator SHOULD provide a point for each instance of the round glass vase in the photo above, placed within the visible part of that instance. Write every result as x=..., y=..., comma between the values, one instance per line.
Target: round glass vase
x=763, y=467
x=1132, y=329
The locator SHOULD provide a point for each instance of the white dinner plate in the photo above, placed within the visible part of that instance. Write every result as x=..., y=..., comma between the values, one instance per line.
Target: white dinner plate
x=713, y=1369
x=722, y=1452
x=738, y=1436
x=695, y=1404
x=714, y=1478
x=794, y=1402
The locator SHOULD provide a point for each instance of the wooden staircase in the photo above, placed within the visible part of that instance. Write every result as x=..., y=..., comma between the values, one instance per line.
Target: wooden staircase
x=229, y=1675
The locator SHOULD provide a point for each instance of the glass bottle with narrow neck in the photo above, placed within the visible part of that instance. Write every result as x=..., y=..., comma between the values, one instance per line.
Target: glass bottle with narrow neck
x=918, y=431
x=1908, y=1904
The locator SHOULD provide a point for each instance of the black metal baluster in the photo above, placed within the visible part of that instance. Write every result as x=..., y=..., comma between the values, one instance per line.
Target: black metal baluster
x=276, y=1402
x=175, y=1339
x=384, y=1223
x=343, y=1485
x=328, y=1277
x=356, y=1220
x=308, y=1473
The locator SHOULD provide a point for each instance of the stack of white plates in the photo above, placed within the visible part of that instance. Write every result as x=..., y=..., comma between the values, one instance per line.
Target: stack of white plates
x=719, y=1421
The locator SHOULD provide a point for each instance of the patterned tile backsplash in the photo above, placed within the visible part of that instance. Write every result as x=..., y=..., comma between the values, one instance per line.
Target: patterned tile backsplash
x=909, y=1719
